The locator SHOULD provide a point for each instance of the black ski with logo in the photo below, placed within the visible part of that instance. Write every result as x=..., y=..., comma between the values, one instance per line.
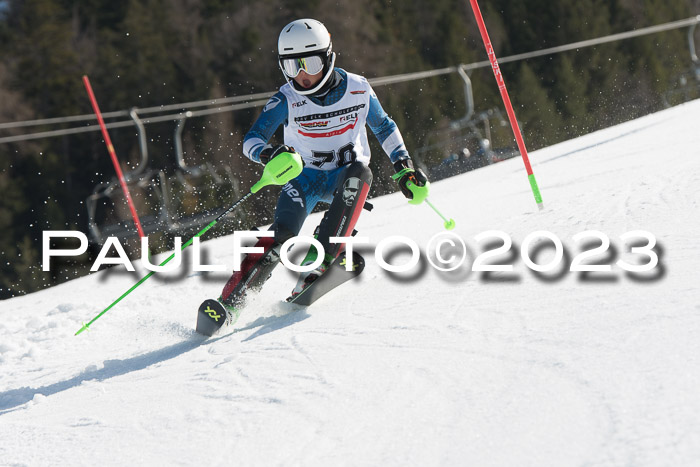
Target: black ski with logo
x=332, y=278
x=211, y=315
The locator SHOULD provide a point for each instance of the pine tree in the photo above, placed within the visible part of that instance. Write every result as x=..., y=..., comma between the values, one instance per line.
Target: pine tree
x=46, y=67
x=571, y=97
x=534, y=109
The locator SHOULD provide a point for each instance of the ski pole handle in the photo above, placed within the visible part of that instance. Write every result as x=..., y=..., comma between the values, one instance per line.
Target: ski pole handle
x=280, y=170
x=449, y=223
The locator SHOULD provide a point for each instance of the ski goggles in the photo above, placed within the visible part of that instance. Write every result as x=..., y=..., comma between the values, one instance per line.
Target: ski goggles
x=311, y=65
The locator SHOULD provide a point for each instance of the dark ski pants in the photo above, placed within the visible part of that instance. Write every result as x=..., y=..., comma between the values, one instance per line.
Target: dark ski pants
x=345, y=188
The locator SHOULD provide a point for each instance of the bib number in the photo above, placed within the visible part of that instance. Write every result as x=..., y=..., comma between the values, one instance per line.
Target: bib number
x=334, y=159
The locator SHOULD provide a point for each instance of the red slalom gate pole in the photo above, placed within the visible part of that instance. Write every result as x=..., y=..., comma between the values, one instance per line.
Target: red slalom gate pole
x=506, y=101
x=113, y=155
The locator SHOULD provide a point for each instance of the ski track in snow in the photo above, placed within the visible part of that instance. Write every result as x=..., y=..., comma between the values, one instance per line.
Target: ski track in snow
x=445, y=369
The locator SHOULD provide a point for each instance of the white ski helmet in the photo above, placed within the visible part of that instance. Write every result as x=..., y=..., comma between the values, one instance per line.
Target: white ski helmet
x=305, y=44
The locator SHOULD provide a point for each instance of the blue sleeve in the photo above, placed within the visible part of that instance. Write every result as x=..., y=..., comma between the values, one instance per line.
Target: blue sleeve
x=273, y=115
x=386, y=131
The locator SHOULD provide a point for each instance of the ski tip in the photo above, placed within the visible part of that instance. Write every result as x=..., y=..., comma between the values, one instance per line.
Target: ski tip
x=211, y=316
x=291, y=298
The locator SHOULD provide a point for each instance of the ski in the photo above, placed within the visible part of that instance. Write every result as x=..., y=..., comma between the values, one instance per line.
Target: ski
x=211, y=315
x=332, y=278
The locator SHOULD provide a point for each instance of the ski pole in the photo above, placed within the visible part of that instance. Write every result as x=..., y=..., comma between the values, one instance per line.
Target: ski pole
x=278, y=171
x=420, y=194
x=449, y=223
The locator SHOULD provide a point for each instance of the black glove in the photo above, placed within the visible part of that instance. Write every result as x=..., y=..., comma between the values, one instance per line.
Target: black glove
x=405, y=172
x=270, y=151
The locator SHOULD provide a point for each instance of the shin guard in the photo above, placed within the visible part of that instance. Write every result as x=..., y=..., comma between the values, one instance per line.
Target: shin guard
x=348, y=202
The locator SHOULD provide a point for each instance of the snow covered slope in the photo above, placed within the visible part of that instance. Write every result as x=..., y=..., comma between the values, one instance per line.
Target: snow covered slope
x=420, y=368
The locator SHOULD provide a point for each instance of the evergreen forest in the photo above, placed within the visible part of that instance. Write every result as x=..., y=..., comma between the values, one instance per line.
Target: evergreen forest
x=143, y=54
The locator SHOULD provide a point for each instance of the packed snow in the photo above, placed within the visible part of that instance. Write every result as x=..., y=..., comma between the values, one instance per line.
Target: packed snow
x=416, y=368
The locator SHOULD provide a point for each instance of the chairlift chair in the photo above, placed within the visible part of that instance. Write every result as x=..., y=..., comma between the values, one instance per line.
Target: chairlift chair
x=103, y=205
x=192, y=178
x=688, y=82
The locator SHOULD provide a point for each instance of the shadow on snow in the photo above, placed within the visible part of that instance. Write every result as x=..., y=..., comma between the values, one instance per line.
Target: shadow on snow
x=14, y=398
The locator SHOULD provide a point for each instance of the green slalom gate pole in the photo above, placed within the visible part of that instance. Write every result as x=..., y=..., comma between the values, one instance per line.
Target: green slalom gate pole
x=278, y=171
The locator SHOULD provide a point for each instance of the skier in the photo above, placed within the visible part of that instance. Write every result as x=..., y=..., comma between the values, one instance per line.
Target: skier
x=324, y=110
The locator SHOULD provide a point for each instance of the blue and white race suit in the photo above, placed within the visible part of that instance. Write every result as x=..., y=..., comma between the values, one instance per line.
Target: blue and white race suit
x=329, y=135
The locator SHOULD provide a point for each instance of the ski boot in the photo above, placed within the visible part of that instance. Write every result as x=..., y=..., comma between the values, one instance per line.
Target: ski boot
x=309, y=277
